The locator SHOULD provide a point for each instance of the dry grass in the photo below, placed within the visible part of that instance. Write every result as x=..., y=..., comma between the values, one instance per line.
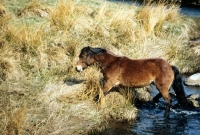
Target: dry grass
x=15, y=120
x=39, y=44
x=155, y=19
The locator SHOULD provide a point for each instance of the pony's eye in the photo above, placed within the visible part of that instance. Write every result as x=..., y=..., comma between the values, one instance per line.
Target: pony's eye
x=83, y=56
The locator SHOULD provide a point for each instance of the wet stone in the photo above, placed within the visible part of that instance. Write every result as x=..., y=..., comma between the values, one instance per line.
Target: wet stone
x=193, y=80
x=193, y=96
x=194, y=99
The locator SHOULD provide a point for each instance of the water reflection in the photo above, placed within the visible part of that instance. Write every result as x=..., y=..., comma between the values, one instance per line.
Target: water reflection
x=119, y=129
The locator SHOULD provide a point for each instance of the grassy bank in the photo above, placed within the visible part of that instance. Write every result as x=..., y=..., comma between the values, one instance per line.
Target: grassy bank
x=41, y=93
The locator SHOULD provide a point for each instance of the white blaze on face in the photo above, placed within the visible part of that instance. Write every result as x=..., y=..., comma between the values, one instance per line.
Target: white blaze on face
x=79, y=68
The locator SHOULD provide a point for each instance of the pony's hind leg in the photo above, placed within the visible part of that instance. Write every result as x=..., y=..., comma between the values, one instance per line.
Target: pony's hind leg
x=164, y=91
x=157, y=97
x=167, y=99
x=168, y=105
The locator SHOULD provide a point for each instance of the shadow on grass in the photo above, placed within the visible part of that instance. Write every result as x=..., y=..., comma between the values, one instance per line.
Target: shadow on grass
x=73, y=81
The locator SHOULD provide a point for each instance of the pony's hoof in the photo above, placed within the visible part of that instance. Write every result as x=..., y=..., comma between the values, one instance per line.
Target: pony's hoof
x=166, y=115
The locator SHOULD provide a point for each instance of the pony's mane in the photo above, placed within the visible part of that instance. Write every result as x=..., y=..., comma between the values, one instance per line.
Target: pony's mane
x=98, y=50
x=102, y=50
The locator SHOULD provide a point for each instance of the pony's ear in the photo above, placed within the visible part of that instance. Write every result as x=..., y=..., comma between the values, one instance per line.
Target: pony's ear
x=88, y=48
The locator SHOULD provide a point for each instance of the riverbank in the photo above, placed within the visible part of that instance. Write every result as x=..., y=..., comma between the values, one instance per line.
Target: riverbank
x=41, y=93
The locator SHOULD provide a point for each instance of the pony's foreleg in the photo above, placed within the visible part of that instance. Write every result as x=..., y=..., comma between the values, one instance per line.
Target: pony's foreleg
x=106, y=89
x=101, y=101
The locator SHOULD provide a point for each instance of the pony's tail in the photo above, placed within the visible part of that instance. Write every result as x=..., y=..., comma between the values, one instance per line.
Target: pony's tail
x=179, y=89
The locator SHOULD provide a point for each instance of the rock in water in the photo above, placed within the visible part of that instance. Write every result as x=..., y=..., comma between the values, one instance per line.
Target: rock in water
x=193, y=80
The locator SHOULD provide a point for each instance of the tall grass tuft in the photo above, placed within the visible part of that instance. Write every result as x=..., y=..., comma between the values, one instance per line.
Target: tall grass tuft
x=92, y=87
x=154, y=17
x=63, y=15
x=15, y=121
x=123, y=23
x=4, y=17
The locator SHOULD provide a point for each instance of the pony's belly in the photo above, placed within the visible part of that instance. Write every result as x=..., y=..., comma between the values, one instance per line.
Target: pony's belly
x=137, y=84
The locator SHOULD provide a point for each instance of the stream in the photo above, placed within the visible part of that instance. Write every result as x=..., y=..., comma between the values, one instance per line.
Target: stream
x=150, y=119
x=184, y=10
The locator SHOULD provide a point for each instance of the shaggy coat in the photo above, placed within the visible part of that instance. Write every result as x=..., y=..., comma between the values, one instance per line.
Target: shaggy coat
x=118, y=70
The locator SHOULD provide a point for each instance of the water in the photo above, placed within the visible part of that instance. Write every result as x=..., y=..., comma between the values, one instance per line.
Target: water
x=191, y=11
x=181, y=122
x=151, y=120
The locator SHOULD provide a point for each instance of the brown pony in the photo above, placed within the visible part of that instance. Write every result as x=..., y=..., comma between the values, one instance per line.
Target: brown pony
x=135, y=73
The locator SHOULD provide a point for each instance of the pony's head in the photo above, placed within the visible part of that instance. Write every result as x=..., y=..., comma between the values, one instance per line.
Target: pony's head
x=87, y=57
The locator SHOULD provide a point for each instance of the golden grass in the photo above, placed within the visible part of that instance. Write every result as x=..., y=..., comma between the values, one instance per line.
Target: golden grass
x=15, y=120
x=39, y=46
x=154, y=17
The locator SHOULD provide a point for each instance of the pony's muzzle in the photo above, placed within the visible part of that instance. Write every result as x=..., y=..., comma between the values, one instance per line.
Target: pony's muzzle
x=79, y=68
